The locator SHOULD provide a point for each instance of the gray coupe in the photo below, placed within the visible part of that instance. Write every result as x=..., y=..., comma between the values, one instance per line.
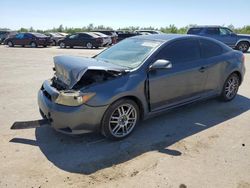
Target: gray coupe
x=135, y=79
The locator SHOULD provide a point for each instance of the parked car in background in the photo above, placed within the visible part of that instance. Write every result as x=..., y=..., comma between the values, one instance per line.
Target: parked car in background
x=55, y=37
x=30, y=39
x=4, y=34
x=107, y=41
x=83, y=39
x=110, y=33
x=135, y=79
x=125, y=34
x=62, y=34
x=148, y=31
x=223, y=34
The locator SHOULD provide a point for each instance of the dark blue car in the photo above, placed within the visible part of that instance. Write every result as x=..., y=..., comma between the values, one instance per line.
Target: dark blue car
x=223, y=34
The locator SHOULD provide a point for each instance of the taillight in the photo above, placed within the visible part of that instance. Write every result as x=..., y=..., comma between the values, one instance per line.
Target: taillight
x=243, y=58
x=99, y=40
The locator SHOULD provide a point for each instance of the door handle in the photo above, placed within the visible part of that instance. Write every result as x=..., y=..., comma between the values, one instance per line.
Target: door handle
x=202, y=69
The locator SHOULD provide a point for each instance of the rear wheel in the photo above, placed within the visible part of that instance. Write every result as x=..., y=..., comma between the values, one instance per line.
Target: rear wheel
x=230, y=87
x=33, y=45
x=243, y=46
x=10, y=44
x=120, y=119
x=89, y=45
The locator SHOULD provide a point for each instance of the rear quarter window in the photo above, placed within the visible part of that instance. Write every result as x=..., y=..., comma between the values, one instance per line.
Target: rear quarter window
x=194, y=30
x=210, y=48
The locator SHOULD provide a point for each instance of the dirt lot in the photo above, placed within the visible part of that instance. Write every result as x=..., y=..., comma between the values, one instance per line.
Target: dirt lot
x=203, y=145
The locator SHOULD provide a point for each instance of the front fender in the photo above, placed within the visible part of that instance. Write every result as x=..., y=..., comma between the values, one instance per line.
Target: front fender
x=131, y=84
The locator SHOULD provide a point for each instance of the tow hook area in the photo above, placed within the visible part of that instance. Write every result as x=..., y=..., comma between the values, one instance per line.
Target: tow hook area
x=29, y=124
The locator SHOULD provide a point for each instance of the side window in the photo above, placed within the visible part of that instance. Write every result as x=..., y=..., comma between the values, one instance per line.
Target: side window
x=210, y=48
x=225, y=31
x=181, y=51
x=83, y=35
x=19, y=36
x=28, y=36
x=194, y=31
x=73, y=36
x=212, y=31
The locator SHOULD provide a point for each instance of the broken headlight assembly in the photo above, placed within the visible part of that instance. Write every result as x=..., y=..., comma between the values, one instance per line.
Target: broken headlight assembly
x=73, y=98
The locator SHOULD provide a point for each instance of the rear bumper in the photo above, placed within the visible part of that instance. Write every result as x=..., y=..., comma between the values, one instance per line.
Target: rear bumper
x=70, y=120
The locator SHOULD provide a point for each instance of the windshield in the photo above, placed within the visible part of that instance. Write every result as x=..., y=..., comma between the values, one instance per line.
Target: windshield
x=129, y=53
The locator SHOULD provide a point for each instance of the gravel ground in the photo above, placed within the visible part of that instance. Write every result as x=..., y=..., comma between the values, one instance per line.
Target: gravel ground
x=202, y=145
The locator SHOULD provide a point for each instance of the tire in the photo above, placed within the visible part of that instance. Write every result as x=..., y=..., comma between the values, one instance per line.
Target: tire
x=230, y=87
x=62, y=45
x=120, y=119
x=33, y=45
x=89, y=45
x=10, y=44
x=44, y=46
x=243, y=46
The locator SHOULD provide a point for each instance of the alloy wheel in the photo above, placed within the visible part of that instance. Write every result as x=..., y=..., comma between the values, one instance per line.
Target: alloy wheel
x=89, y=45
x=231, y=87
x=62, y=45
x=33, y=45
x=243, y=47
x=123, y=120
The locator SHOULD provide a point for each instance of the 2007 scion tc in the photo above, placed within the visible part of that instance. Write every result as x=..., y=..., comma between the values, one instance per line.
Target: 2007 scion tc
x=136, y=79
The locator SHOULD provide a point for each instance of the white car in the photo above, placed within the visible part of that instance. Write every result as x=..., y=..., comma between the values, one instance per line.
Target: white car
x=107, y=41
x=149, y=31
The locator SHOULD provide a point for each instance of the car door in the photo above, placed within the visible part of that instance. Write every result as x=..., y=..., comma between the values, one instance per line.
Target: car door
x=181, y=83
x=84, y=39
x=17, y=40
x=227, y=37
x=27, y=39
x=214, y=63
x=73, y=40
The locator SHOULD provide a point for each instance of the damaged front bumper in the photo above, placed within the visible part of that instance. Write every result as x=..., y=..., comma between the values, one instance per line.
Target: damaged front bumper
x=68, y=119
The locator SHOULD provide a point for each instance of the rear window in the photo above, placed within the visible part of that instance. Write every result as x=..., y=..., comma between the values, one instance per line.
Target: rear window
x=194, y=30
x=210, y=48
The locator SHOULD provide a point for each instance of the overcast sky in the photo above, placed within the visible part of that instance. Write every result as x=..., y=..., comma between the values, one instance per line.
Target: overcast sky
x=47, y=14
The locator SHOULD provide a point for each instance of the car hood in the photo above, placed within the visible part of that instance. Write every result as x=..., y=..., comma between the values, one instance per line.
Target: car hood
x=244, y=35
x=69, y=69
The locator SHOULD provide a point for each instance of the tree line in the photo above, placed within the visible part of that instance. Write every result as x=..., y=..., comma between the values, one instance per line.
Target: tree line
x=168, y=29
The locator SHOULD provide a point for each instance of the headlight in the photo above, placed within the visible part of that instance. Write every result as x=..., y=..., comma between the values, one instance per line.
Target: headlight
x=73, y=98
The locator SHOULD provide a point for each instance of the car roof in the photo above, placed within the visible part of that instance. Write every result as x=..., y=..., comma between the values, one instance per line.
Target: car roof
x=164, y=37
x=207, y=26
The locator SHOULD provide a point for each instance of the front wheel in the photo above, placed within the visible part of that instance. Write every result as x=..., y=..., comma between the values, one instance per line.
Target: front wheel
x=120, y=119
x=62, y=45
x=89, y=45
x=243, y=46
x=230, y=87
x=33, y=45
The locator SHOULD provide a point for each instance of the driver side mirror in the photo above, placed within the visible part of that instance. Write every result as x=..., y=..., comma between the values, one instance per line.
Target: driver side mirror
x=161, y=64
